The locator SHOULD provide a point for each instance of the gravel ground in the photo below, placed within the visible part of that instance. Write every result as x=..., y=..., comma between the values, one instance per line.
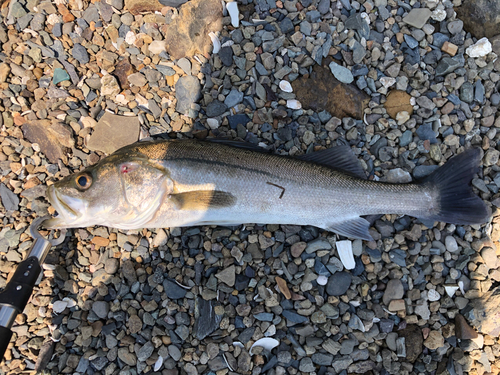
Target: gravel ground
x=403, y=83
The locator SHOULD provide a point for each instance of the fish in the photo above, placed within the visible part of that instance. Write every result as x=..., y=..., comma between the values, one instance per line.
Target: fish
x=179, y=183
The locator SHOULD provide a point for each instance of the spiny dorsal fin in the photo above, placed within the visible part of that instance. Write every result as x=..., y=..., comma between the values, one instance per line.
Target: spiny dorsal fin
x=239, y=144
x=341, y=158
x=354, y=228
x=202, y=200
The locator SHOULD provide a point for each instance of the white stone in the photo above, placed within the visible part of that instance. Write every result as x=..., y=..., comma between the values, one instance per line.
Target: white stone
x=232, y=8
x=156, y=47
x=450, y=290
x=88, y=122
x=344, y=248
x=479, y=341
x=213, y=123
x=451, y=244
x=479, y=49
x=215, y=42
x=322, y=280
x=433, y=295
x=402, y=117
x=52, y=19
x=266, y=343
x=130, y=38
x=387, y=81
x=285, y=86
x=293, y=104
x=438, y=15
x=158, y=363
x=59, y=306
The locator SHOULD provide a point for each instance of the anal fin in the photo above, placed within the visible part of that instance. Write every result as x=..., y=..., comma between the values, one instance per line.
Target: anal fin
x=354, y=228
x=202, y=200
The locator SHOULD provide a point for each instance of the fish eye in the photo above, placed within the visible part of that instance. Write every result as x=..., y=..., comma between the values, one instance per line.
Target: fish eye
x=83, y=181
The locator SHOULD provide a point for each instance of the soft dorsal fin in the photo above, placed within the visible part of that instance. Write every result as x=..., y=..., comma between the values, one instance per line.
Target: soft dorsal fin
x=339, y=157
x=354, y=228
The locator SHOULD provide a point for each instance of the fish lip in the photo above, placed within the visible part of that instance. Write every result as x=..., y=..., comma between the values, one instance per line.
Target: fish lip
x=63, y=209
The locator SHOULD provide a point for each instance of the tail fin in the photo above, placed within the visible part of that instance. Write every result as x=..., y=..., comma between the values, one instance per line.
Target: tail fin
x=457, y=202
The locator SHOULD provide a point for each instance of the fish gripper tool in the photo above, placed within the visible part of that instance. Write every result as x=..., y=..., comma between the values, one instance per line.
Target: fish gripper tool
x=17, y=292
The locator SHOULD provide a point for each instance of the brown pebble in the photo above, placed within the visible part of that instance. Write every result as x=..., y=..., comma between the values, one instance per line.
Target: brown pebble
x=449, y=48
x=463, y=330
x=283, y=287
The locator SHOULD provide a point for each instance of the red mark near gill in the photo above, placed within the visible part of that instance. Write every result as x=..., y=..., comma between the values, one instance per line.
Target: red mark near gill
x=125, y=169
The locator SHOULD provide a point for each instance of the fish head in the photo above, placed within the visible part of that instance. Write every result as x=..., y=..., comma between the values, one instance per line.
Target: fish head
x=120, y=191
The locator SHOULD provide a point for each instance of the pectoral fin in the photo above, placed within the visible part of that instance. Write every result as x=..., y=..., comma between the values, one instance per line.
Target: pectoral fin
x=200, y=200
x=354, y=228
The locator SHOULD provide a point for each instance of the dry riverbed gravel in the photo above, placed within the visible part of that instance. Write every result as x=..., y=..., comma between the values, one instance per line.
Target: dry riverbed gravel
x=401, y=82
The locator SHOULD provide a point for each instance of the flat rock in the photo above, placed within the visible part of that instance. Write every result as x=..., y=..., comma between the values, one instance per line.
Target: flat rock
x=187, y=92
x=417, y=17
x=484, y=314
x=10, y=201
x=208, y=315
x=39, y=131
x=481, y=17
x=398, y=101
x=143, y=6
x=113, y=132
x=227, y=276
x=321, y=91
x=187, y=35
x=413, y=342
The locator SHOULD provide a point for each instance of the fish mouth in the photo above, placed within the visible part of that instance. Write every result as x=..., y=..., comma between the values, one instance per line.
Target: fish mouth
x=66, y=214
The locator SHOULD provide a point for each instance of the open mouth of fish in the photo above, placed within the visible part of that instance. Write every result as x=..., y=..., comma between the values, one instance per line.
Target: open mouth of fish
x=65, y=213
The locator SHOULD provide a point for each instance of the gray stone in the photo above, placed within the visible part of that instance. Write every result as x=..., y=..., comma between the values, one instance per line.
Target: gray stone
x=341, y=73
x=467, y=92
x=322, y=359
x=187, y=92
x=306, y=365
x=80, y=53
x=338, y=283
x=446, y=65
x=233, y=98
x=101, y=309
x=393, y=290
x=417, y=17
x=173, y=290
x=10, y=201
x=215, y=108
x=145, y=352
x=454, y=27
x=137, y=79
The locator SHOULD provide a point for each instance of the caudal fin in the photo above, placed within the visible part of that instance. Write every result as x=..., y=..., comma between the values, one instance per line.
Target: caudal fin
x=457, y=204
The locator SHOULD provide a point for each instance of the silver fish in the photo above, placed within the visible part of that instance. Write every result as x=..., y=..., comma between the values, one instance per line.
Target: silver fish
x=180, y=183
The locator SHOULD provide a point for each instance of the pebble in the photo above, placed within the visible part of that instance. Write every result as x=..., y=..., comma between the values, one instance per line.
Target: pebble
x=393, y=290
x=187, y=92
x=344, y=75
x=479, y=49
x=338, y=283
x=417, y=17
